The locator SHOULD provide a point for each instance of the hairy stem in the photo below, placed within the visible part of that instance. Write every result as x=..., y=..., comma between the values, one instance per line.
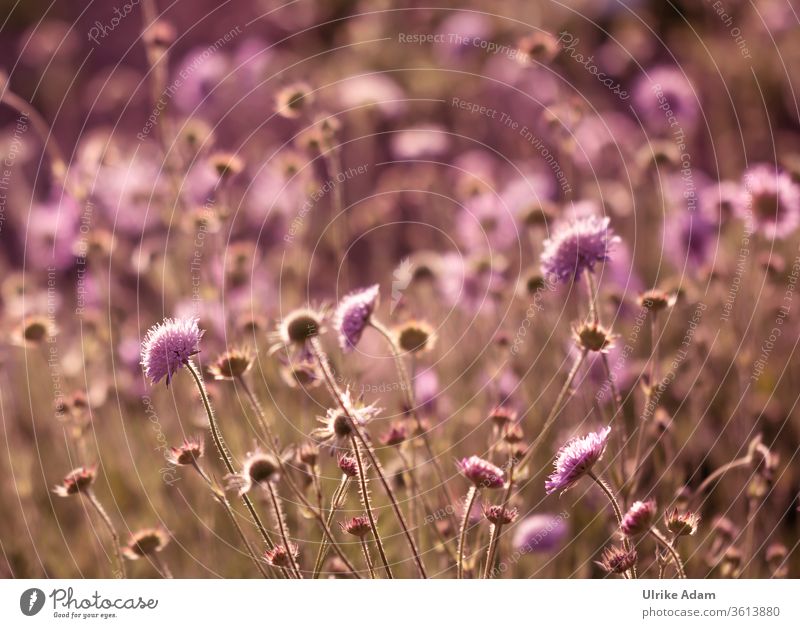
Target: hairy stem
x=282, y=527
x=617, y=512
x=336, y=502
x=472, y=493
x=90, y=495
x=661, y=540
x=367, y=558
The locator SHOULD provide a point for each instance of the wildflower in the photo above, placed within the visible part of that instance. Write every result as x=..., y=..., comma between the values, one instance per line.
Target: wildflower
x=145, y=543
x=279, y=556
x=656, y=300
x=593, y=337
x=681, y=523
x=188, y=453
x=639, y=518
x=232, y=364
x=617, y=560
x=482, y=473
x=576, y=247
x=770, y=200
x=415, y=337
x=540, y=533
x=348, y=465
x=76, y=481
x=338, y=427
x=168, y=346
x=501, y=416
x=357, y=526
x=353, y=314
x=34, y=331
x=513, y=434
x=300, y=326
x=308, y=454
x=576, y=459
x=396, y=434
x=539, y=46
x=226, y=165
x=500, y=515
x=259, y=468
x=302, y=374
x=293, y=99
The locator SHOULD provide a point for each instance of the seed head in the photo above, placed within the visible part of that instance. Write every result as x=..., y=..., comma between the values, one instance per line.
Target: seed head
x=145, y=543
x=482, y=473
x=357, y=526
x=499, y=515
x=168, y=346
x=353, y=314
x=300, y=326
x=639, y=518
x=76, y=481
x=188, y=453
x=232, y=364
x=279, y=556
x=681, y=523
x=259, y=468
x=593, y=337
x=617, y=560
x=576, y=459
x=415, y=337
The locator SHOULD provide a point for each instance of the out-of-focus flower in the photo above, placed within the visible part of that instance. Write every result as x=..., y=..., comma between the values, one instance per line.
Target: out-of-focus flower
x=280, y=556
x=168, y=346
x=576, y=247
x=617, y=560
x=34, y=331
x=353, y=314
x=298, y=327
x=639, y=518
x=375, y=90
x=539, y=46
x=576, y=459
x=186, y=454
x=497, y=514
x=540, y=533
x=259, y=467
x=770, y=201
x=145, y=543
x=76, y=481
x=396, y=434
x=482, y=473
x=593, y=337
x=415, y=336
x=666, y=85
x=232, y=364
x=656, y=300
x=293, y=100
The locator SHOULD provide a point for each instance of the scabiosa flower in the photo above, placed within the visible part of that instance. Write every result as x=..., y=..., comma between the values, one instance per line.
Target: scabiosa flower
x=771, y=200
x=298, y=327
x=145, y=543
x=348, y=465
x=353, y=314
x=499, y=515
x=232, y=364
x=259, y=467
x=617, y=560
x=540, y=533
x=357, y=526
x=576, y=459
x=168, y=346
x=681, y=523
x=415, y=337
x=293, y=99
x=576, y=247
x=76, y=481
x=482, y=473
x=639, y=518
x=338, y=427
x=280, y=556
x=187, y=454
x=593, y=337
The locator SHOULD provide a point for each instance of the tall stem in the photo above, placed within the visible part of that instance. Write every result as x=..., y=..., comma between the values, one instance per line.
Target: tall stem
x=362, y=479
x=670, y=549
x=111, y=530
x=282, y=528
x=336, y=502
x=494, y=538
x=472, y=493
x=367, y=558
x=617, y=512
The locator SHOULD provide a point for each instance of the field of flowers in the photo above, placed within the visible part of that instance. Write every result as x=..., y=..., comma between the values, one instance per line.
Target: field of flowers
x=353, y=289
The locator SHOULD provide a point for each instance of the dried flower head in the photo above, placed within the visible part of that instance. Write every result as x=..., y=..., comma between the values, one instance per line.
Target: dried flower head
x=497, y=514
x=76, y=481
x=292, y=100
x=337, y=425
x=168, y=346
x=482, y=473
x=656, y=300
x=415, y=337
x=353, y=314
x=617, y=560
x=279, y=556
x=301, y=374
x=593, y=337
x=357, y=526
x=259, y=467
x=300, y=326
x=348, y=465
x=34, y=331
x=639, y=518
x=681, y=523
x=576, y=247
x=396, y=434
x=308, y=454
x=576, y=459
x=145, y=543
x=188, y=453
x=232, y=364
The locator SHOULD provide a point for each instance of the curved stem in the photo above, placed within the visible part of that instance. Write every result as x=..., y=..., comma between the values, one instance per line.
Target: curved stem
x=735, y=464
x=617, y=512
x=670, y=549
x=111, y=529
x=472, y=493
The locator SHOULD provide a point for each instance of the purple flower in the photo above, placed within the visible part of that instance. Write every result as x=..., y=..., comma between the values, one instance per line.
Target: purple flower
x=576, y=459
x=666, y=86
x=770, y=201
x=540, y=533
x=352, y=315
x=577, y=246
x=168, y=346
x=481, y=473
x=639, y=518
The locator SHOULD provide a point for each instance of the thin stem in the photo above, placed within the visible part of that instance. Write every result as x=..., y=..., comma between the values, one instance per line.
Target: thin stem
x=735, y=464
x=336, y=502
x=670, y=549
x=282, y=528
x=592, y=291
x=472, y=493
x=330, y=381
x=362, y=479
x=161, y=566
x=617, y=512
x=367, y=558
x=111, y=529
x=494, y=538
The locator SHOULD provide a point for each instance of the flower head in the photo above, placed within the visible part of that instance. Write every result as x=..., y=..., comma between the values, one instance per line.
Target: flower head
x=300, y=326
x=34, y=331
x=656, y=300
x=293, y=99
x=617, y=560
x=482, y=473
x=575, y=459
x=259, y=467
x=681, y=523
x=280, y=556
x=168, y=346
x=639, y=518
x=593, y=337
x=353, y=314
x=396, y=434
x=357, y=526
x=577, y=246
x=348, y=465
x=540, y=533
x=500, y=515
x=76, y=481
x=188, y=453
x=771, y=200
x=145, y=542
x=415, y=337
x=337, y=424
x=232, y=364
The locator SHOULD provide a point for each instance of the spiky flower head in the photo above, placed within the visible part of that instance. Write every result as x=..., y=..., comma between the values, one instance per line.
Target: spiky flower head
x=499, y=515
x=576, y=247
x=639, y=518
x=482, y=473
x=232, y=364
x=145, y=543
x=576, y=459
x=300, y=326
x=415, y=336
x=168, y=346
x=353, y=314
x=76, y=481
x=771, y=200
x=656, y=300
x=280, y=556
x=293, y=99
x=593, y=337
x=357, y=526
x=681, y=523
x=396, y=434
x=259, y=467
x=348, y=465
x=188, y=453
x=338, y=424
x=617, y=560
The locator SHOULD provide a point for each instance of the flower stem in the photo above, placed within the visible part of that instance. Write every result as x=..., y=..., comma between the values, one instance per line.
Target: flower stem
x=365, y=549
x=120, y=573
x=161, y=566
x=617, y=512
x=494, y=538
x=282, y=528
x=336, y=502
x=670, y=549
x=472, y=493
x=734, y=464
